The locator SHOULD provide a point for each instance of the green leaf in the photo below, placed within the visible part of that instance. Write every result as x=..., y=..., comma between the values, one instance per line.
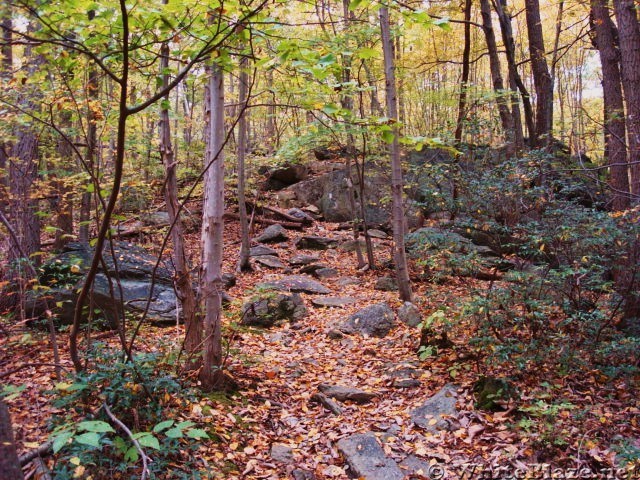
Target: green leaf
x=174, y=433
x=388, y=136
x=183, y=425
x=197, y=433
x=132, y=455
x=89, y=438
x=354, y=4
x=162, y=426
x=95, y=426
x=330, y=108
x=146, y=439
x=443, y=23
x=61, y=440
x=90, y=188
x=366, y=53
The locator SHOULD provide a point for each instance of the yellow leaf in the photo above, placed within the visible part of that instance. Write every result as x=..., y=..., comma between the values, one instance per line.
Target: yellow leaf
x=74, y=461
x=233, y=445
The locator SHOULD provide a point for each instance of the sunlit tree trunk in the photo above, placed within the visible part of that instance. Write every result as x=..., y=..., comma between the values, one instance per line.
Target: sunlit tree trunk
x=629, y=38
x=464, y=80
x=90, y=157
x=243, y=261
x=614, y=122
x=212, y=234
x=496, y=76
x=183, y=282
x=398, y=219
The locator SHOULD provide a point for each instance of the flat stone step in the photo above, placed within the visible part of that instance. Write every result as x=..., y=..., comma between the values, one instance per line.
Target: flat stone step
x=297, y=283
x=333, y=301
x=269, y=261
x=367, y=460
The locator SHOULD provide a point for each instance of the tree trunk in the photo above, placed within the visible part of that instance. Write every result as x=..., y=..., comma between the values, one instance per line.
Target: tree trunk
x=614, y=123
x=212, y=234
x=629, y=37
x=541, y=77
x=63, y=204
x=183, y=282
x=402, y=271
x=90, y=159
x=464, y=80
x=243, y=261
x=9, y=462
x=514, y=76
x=496, y=76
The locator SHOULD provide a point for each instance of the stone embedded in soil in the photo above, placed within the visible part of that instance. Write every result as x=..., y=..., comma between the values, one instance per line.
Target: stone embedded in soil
x=375, y=320
x=282, y=453
x=346, y=281
x=297, y=283
x=375, y=233
x=342, y=393
x=366, y=458
x=270, y=310
x=270, y=261
x=260, y=250
x=273, y=234
x=441, y=407
x=386, y=284
x=302, y=259
x=325, y=272
x=315, y=242
x=421, y=468
x=409, y=314
x=333, y=301
x=312, y=267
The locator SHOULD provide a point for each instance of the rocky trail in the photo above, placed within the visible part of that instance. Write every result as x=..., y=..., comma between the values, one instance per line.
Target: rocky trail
x=329, y=382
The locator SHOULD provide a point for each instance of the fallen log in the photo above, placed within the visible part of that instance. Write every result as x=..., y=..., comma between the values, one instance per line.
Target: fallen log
x=268, y=221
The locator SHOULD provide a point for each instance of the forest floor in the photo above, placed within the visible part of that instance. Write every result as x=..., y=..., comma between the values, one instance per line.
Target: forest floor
x=279, y=369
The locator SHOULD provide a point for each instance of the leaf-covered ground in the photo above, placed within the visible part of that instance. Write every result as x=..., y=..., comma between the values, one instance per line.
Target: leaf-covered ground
x=278, y=370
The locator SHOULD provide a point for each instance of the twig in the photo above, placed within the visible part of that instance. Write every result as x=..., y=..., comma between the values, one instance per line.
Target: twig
x=43, y=449
x=145, y=460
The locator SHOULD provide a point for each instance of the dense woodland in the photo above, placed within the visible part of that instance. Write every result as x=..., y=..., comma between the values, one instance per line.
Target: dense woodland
x=319, y=239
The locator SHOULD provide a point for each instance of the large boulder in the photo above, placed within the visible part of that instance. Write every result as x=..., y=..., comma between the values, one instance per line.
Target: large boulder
x=375, y=321
x=286, y=175
x=273, y=234
x=269, y=310
x=132, y=278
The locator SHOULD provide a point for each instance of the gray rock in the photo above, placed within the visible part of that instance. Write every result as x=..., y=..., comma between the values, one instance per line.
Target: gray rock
x=333, y=301
x=281, y=177
x=342, y=393
x=228, y=280
x=282, y=453
x=270, y=261
x=300, y=474
x=409, y=314
x=326, y=272
x=301, y=259
x=273, y=234
x=312, y=268
x=335, y=334
x=270, y=310
x=300, y=215
x=366, y=458
x=350, y=245
x=441, y=407
x=298, y=283
x=260, y=250
x=134, y=267
x=405, y=383
x=416, y=466
x=346, y=281
x=375, y=233
x=386, y=284
x=314, y=242
x=156, y=219
x=375, y=320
